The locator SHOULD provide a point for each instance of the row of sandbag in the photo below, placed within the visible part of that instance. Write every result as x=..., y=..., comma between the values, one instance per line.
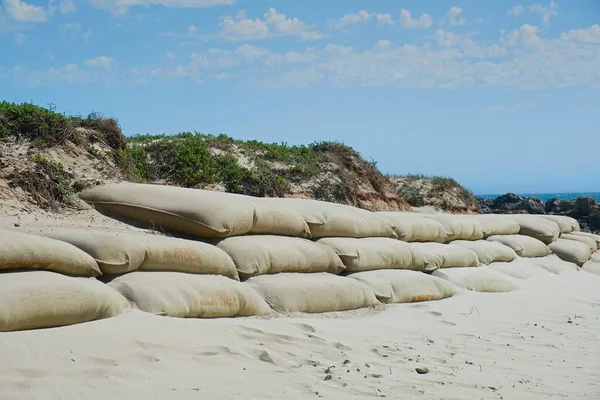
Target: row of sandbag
x=210, y=214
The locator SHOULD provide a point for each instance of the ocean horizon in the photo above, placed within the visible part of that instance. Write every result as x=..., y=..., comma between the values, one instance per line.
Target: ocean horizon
x=546, y=196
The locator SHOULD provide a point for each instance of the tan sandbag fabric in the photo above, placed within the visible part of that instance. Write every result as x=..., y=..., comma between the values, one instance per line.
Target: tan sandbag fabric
x=438, y=255
x=571, y=251
x=589, y=235
x=337, y=220
x=554, y=264
x=42, y=299
x=312, y=293
x=177, y=294
x=458, y=226
x=414, y=228
x=488, y=252
x=274, y=218
x=537, y=227
x=21, y=251
x=263, y=254
x=493, y=225
x=566, y=224
x=368, y=254
x=524, y=246
x=593, y=265
x=592, y=244
x=519, y=269
x=397, y=286
x=481, y=279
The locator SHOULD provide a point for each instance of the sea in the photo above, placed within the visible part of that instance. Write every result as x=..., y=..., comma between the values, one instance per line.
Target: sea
x=547, y=196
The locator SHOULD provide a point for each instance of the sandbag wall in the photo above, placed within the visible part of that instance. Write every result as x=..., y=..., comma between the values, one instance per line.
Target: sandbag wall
x=236, y=255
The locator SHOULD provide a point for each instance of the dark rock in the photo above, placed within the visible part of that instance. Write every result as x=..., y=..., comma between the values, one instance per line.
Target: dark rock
x=422, y=370
x=584, y=206
x=558, y=206
x=513, y=202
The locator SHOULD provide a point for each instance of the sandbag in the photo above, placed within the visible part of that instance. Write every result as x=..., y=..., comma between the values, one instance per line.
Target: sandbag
x=571, y=251
x=177, y=294
x=519, y=269
x=593, y=265
x=337, y=220
x=397, y=286
x=493, y=225
x=458, y=226
x=565, y=224
x=43, y=299
x=414, y=228
x=264, y=254
x=439, y=255
x=477, y=279
x=487, y=251
x=20, y=251
x=591, y=243
x=537, y=227
x=118, y=252
x=312, y=293
x=524, y=246
x=194, y=212
x=368, y=254
x=554, y=264
x=589, y=235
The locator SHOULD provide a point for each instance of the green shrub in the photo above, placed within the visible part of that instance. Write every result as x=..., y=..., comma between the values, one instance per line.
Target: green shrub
x=412, y=195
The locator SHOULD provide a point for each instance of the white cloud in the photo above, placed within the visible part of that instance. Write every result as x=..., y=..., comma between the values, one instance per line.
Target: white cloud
x=274, y=24
x=121, y=6
x=408, y=22
x=362, y=16
x=25, y=12
x=67, y=6
x=19, y=38
x=86, y=36
x=454, y=18
x=526, y=35
x=192, y=29
x=71, y=29
x=590, y=35
x=170, y=56
x=103, y=62
x=546, y=12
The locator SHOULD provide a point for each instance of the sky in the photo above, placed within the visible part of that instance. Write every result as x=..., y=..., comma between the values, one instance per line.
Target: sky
x=501, y=95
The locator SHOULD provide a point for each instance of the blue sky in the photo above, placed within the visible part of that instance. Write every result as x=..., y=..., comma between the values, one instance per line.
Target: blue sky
x=501, y=95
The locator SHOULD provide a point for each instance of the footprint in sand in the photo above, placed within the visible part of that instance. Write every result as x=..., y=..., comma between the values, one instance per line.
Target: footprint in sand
x=104, y=362
x=435, y=313
x=448, y=323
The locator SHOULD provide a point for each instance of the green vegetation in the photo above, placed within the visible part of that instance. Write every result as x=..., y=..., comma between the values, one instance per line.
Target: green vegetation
x=412, y=195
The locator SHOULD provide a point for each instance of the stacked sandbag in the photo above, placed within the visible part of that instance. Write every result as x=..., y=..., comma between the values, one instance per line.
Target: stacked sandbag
x=593, y=265
x=488, y=251
x=410, y=227
x=438, y=255
x=195, y=212
x=524, y=246
x=481, y=279
x=312, y=293
x=565, y=224
x=458, y=227
x=571, y=251
x=495, y=225
x=336, y=220
x=519, y=269
x=176, y=294
x=43, y=299
x=589, y=235
x=366, y=254
x=590, y=242
x=21, y=251
x=536, y=226
x=554, y=264
x=265, y=254
x=398, y=286
x=118, y=252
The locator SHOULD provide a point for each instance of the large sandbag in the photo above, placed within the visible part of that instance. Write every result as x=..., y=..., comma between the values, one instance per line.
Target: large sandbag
x=524, y=246
x=591, y=243
x=571, y=251
x=519, y=269
x=565, y=224
x=593, y=265
x=263, y=254
x=118, y=252
x=396, y=286
x=589, y=235
x=438, y=255
x=554, y=264
x=477, y=279
x=19, y=251
x=493, y=225
x=414, y=228
x=42, y=299
x=312, y=293
x=458, y=226
x=177, y=294
x=337, y=220
x=488, y=252
x=368, y=254
x=537, y=227
x=194, y=212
